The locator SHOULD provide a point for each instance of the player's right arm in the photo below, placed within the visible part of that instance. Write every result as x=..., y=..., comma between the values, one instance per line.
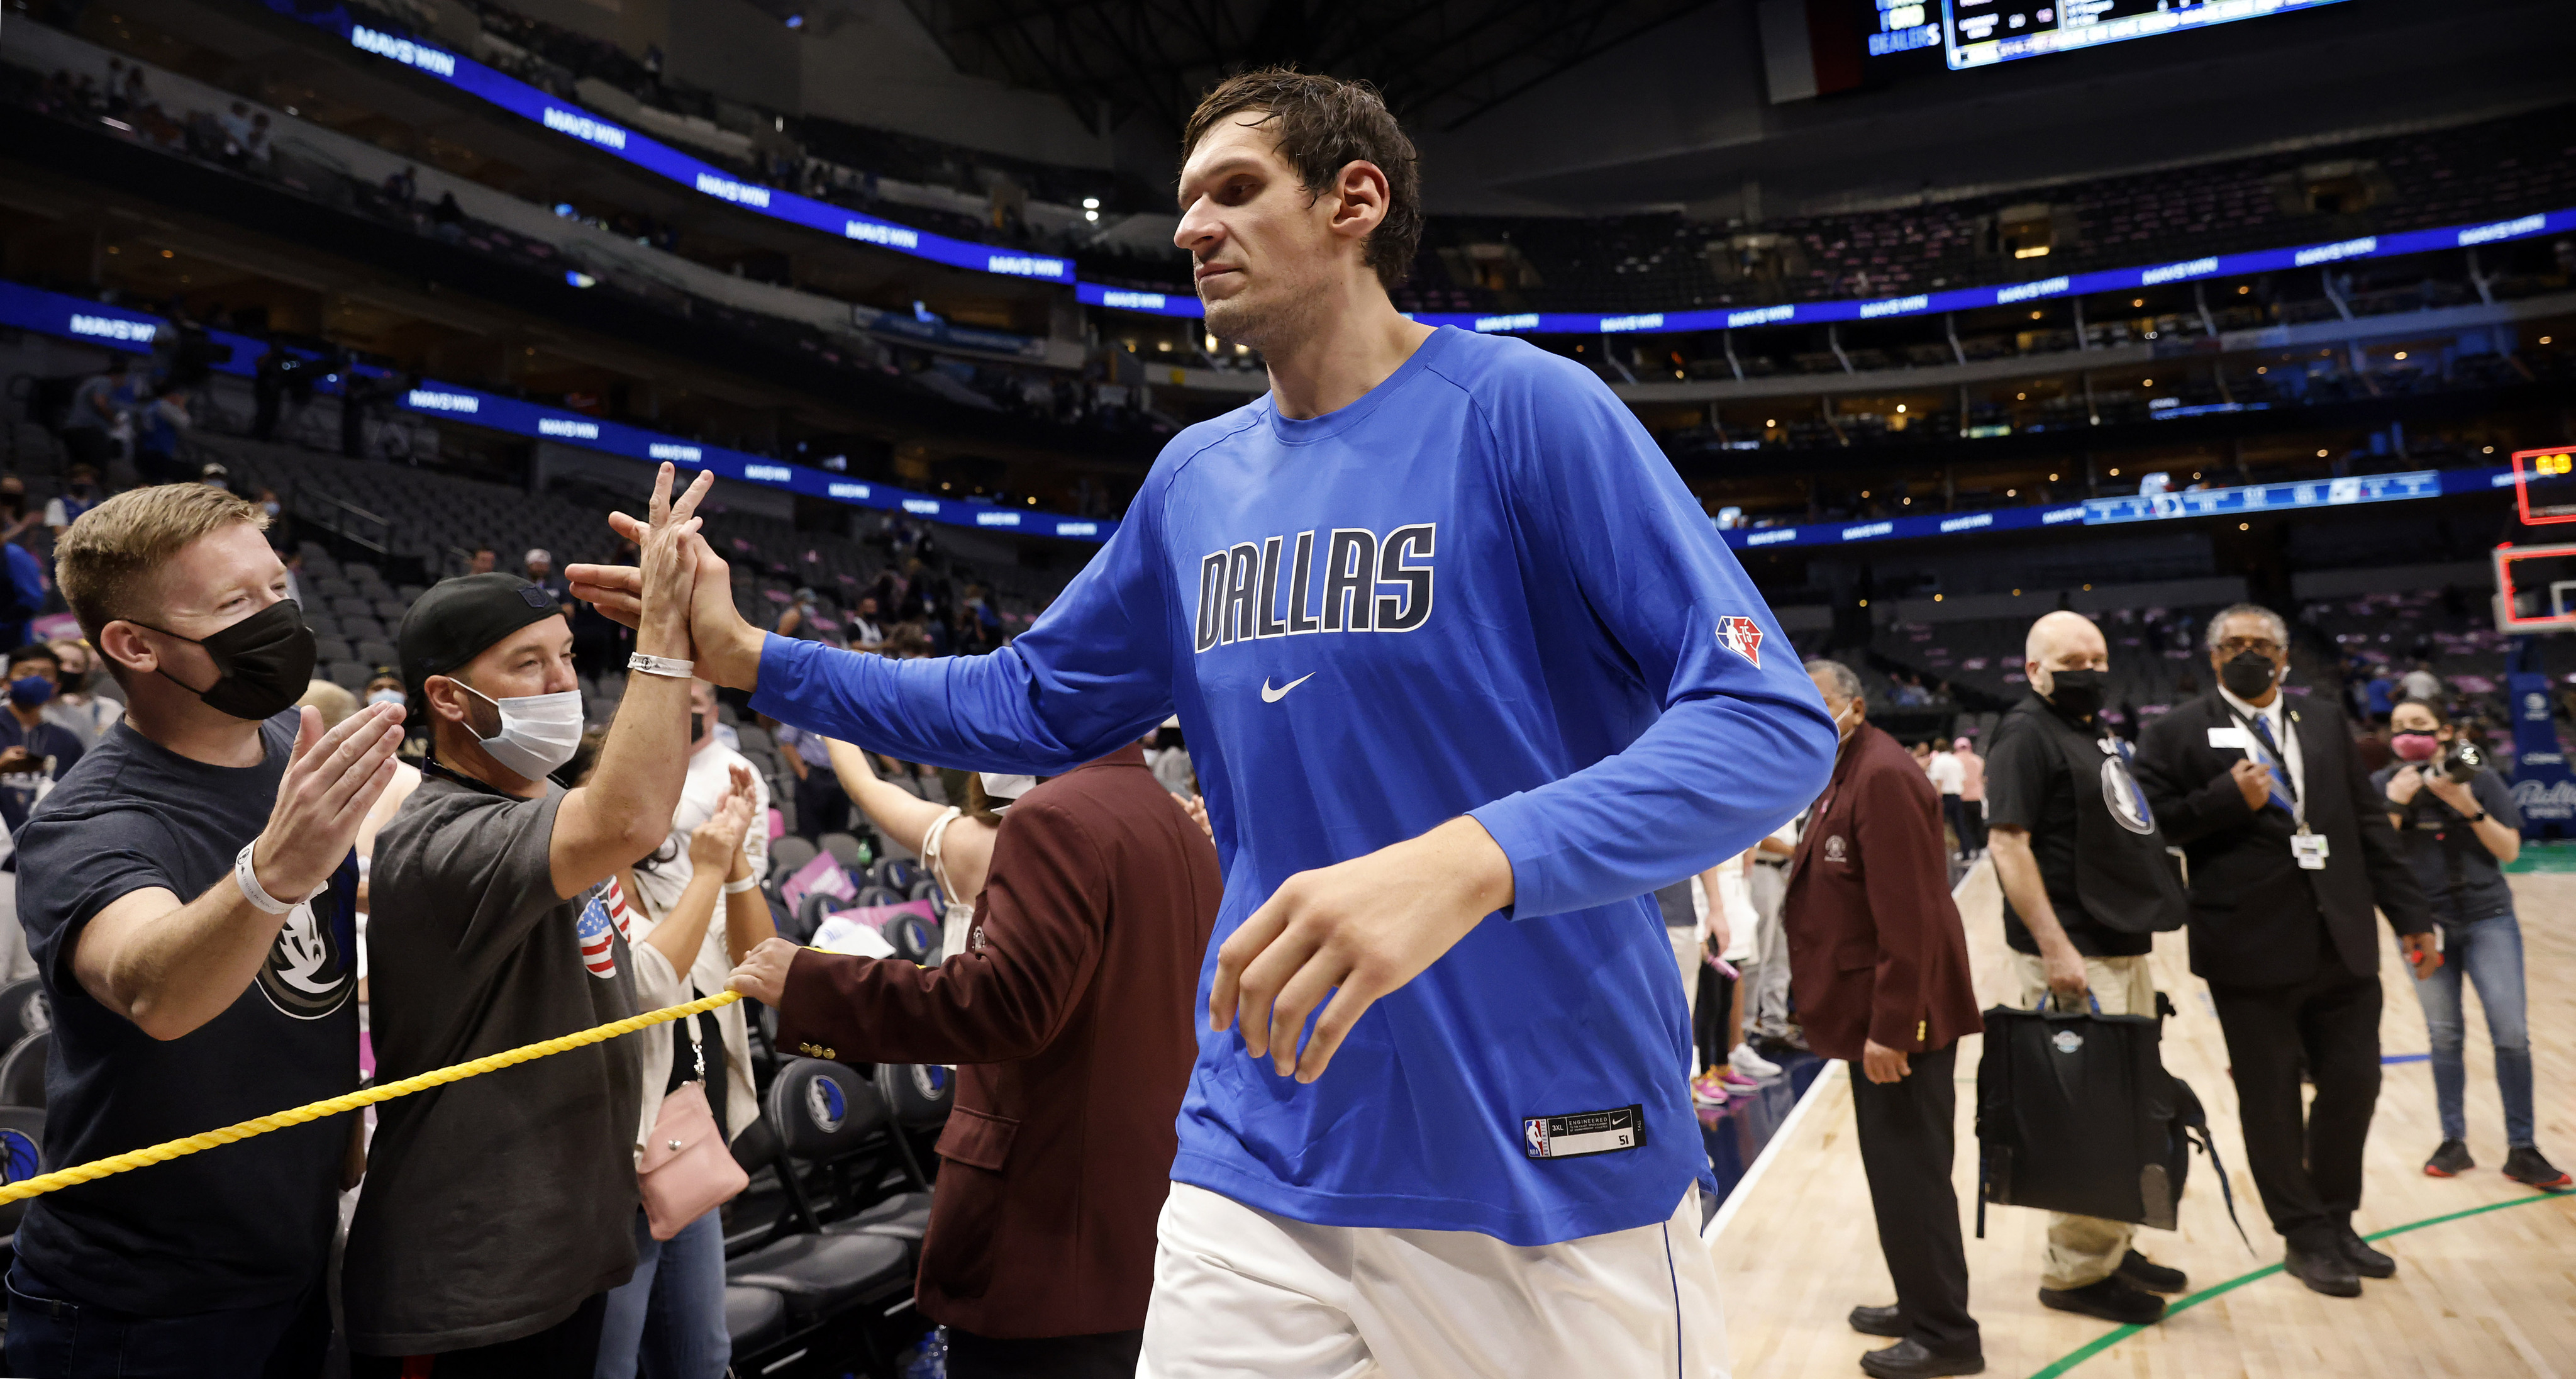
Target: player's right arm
x=1091, y=675
x=171, y=967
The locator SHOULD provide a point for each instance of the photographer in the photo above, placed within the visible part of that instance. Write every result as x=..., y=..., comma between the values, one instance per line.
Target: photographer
x=2458, y=827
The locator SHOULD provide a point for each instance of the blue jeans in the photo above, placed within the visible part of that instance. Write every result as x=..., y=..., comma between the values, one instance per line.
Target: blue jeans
x=670, y=1317
x=2489, y=953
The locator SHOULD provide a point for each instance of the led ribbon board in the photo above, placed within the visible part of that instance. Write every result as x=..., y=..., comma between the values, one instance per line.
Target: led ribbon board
x=572, y=121
x=72, y=318
x=2014, y=294
x=2207, y=502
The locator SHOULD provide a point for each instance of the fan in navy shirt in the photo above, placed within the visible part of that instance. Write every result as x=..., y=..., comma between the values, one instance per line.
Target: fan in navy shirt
x=1466, y=673
x=186, y=895
x=33, y=752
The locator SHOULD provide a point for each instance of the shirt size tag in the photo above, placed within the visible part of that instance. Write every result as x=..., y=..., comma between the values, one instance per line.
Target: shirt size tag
x=1585, y=1132
x=2230, y=739
x=2310, y=850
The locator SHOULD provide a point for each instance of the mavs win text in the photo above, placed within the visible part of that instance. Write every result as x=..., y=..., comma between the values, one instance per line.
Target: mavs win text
x=1345, y=580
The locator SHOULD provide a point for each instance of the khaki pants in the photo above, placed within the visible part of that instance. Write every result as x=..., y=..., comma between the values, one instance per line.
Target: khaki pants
x=2082, y=1249
x=1687, y=947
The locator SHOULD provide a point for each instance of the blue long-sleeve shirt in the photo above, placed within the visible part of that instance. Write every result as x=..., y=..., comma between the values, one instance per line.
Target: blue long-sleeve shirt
x=1479, y=589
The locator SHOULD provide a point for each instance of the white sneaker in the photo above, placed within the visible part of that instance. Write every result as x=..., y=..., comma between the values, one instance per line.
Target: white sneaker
x=1753, y=1065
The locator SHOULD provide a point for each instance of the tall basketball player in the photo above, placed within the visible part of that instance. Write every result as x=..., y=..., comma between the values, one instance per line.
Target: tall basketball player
x=1465, y=673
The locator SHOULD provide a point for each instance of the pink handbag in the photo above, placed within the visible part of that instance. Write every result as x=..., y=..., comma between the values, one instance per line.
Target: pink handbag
x=686, y=1170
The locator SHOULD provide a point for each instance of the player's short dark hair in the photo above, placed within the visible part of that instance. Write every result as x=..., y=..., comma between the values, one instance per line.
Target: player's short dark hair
x=1326, y=124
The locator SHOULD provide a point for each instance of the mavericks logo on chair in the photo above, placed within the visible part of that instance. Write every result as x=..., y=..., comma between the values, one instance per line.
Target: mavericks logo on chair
x=824, y=1102
x=18, y=1157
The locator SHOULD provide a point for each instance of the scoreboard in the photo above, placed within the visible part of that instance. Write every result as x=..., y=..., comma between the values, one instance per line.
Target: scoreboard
x=2544, y=485
x=1979, y=33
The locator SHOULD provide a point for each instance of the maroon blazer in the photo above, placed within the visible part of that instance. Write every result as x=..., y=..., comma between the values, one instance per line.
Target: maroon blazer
x=1073, y=1016
x=1875, y=946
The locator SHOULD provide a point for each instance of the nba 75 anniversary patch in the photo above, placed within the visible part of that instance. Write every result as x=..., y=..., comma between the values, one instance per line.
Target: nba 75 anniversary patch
x=1584, y=1132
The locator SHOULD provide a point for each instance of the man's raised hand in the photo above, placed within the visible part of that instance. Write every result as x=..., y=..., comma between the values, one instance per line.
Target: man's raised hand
x=332, y=780
x=669, y=568
x=727, y=647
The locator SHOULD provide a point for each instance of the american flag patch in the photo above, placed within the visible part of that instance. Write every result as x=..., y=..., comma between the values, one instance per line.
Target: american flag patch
x=598, y=936
x=617, y=911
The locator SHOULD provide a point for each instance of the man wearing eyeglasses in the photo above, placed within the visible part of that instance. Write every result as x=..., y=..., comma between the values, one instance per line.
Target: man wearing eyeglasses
x=2289, y=851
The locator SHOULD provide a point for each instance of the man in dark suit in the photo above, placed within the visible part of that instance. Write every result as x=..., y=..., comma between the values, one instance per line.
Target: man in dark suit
x=1071, y=1014
x=2289, y=850
x=1878, y=965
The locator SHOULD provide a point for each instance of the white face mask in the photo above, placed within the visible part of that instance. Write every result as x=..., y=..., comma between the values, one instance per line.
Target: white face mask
x=539, y=732
x=386, y=696
x=1001, y=790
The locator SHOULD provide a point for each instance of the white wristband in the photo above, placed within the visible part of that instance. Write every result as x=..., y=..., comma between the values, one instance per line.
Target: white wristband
x=669, y=667
x=748, y=883
x=248, y=879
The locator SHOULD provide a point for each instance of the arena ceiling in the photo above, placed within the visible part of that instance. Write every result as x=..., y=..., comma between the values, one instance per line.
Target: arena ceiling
x=1441, y=63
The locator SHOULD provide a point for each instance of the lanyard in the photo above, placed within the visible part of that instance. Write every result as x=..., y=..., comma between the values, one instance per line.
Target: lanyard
x=2295, y=802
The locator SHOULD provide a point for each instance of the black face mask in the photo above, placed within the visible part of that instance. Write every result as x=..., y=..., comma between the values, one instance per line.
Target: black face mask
x=697, y=726
x=2076, y=693
x=2247, y=675
x=262, y=663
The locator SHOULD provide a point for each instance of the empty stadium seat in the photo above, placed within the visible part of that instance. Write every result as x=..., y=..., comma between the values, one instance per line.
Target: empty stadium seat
x=904, y=1216
x=22, y=1070
x=24, y=1010
x=791, y=852
x=817, y=1275
x=846, y=849
x=755, y=1318
x=916, y=1095
x=915, y=939
x=816, y=1111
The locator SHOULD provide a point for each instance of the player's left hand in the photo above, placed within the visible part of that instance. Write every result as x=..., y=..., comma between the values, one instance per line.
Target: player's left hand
x=1353, y=931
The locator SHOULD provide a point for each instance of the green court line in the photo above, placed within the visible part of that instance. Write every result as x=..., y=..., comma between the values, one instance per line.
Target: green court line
x=2104, y=1342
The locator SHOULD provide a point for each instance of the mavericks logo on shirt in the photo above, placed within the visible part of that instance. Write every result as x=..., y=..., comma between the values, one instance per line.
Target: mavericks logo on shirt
x=1347, y=579
x=308, y=974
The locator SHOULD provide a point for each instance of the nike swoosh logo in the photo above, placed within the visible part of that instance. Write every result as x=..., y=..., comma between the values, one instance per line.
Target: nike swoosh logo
x=1273, y=696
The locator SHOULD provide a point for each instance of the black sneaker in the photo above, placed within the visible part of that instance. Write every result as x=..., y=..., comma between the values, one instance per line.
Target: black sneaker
x=2449, y=1161
x=2110, y=1299
x=1877, y=1321
x=2525, y=1166
x=2138, y=1271
x=2367, y=1262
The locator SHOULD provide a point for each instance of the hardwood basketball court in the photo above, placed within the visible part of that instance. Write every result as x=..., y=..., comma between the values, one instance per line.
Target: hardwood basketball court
x=2485, y=1295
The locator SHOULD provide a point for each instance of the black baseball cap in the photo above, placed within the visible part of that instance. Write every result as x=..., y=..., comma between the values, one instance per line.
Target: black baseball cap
x=458, y=619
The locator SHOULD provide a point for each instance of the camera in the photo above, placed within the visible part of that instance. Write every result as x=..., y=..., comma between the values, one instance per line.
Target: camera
x=2458, y=759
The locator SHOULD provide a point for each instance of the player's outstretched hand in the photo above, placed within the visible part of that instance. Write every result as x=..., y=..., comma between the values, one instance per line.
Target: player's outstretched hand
x=726, y=646
x=331, y=781
x=1353, y=932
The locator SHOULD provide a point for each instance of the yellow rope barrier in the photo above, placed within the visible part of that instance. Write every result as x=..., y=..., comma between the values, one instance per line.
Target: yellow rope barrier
x=118, y=1163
